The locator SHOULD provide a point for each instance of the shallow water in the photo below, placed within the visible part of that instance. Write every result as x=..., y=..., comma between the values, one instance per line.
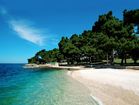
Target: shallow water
x=19, y=86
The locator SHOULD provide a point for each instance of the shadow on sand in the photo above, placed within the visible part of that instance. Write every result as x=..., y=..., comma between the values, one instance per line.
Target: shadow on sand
x=114, y=66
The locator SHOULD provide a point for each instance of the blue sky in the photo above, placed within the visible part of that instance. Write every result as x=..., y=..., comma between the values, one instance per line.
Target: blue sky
x=27, y=26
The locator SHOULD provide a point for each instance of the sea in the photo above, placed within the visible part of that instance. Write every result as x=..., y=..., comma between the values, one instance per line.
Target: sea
x=22, y=86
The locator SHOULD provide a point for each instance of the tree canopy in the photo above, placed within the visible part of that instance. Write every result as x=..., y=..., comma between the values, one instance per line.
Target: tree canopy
x=109, y=37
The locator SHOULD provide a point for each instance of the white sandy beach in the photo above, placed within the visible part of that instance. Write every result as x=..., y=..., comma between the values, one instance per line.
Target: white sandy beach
x=111, y=86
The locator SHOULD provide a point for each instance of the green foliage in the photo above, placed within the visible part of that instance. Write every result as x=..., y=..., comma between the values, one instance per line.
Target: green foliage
x=33, y=60
x=109, y=37
x=131, y=17
x=43, y=56
x=135, y=51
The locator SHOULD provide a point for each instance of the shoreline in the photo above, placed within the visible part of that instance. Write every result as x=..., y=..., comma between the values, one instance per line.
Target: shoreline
x=107, y=86
x=49, y=66
x=111, y=86
x=75, y=67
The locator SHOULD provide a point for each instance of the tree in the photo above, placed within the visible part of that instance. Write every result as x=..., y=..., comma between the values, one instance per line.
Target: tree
x=44, y=56
x=76, y=40
x=115, y=30
x=108, y=35
x=69, y=50
x=62, y=44
x=89, y=52
x=135, y=51
x=131, y=17
x=97, y=27
x=33, y=60
x=124, y=48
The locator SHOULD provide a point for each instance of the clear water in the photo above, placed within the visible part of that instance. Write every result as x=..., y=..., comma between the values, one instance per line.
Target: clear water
x=19, y=86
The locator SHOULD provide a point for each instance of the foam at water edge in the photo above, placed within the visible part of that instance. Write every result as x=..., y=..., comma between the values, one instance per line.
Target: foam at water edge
x=96, y=100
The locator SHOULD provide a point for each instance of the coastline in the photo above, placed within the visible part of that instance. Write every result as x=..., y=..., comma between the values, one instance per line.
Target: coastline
x=111, y=86
x=57, y=66
x=107, y=86
x=50, y=66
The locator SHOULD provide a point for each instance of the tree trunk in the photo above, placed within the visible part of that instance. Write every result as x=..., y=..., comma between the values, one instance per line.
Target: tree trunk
x=122, y=58
x=135, y=61
x=90, y=58
x=112, y=57
x=68, y=61
x=107, y=58
x=122, y=61
x=125, y=58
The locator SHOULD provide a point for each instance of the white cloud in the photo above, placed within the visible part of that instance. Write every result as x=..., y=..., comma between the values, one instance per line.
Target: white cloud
x=27, y=31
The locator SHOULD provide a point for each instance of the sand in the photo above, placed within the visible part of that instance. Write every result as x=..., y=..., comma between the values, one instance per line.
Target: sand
x=110, y=86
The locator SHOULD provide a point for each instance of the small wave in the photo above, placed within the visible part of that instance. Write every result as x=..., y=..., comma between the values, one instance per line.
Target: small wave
x=98, y=102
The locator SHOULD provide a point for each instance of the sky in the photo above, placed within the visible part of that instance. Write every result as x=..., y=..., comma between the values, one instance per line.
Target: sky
x=27, y=26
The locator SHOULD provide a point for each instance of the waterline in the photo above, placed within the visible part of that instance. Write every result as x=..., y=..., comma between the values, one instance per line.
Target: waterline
x=98, y=102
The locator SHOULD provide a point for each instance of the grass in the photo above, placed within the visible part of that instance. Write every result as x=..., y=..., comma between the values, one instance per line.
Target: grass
x=117, y=60
x=129, y=62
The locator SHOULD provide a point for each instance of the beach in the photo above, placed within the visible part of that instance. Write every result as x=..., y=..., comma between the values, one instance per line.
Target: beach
x=110, y=86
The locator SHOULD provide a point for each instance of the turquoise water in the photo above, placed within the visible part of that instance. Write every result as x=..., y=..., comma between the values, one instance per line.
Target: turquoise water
x=19, y=86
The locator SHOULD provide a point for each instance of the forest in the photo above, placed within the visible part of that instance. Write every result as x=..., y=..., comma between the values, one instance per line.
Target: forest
x=109, y=38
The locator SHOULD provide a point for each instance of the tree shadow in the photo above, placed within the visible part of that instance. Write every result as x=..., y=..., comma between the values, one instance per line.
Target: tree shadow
x=114, y=66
